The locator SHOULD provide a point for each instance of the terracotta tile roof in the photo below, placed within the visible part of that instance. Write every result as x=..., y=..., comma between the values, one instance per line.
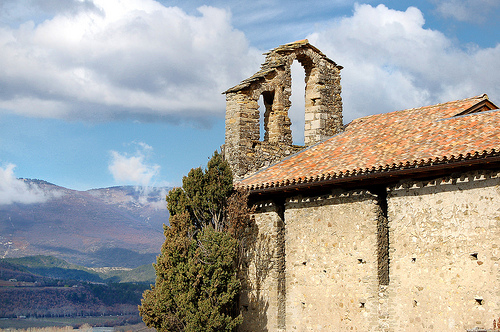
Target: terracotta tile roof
x=391, y=141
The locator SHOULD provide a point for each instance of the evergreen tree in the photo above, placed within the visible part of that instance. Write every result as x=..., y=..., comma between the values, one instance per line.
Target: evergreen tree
x=197, y=285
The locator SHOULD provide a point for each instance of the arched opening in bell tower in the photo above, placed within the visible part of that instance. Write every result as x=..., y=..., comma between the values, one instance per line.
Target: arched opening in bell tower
x=296, y=113
x=265, y=101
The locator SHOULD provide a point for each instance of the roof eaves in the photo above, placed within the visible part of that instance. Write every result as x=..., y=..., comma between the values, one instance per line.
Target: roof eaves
x=485, y=156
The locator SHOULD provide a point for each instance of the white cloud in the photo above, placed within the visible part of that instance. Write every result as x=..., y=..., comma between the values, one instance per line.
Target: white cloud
x=392, y=62
x=13, y=190
x=146, y=193
x=134, y=168
x=107, y=59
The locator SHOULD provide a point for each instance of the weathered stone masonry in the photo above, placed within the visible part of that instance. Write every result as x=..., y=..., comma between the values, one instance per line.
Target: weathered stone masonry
x=323, y=108
x=445, y=255
x=443, y=270
x=393, y=248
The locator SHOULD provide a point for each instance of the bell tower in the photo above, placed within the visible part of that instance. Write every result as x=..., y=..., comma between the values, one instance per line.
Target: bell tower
x=243, y=148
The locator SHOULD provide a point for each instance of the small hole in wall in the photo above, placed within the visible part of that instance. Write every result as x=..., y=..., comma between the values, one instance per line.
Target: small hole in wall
x=361, y=304
x=245, y=307
x=415, y=303
x=304, y=263
x=324, y=271
x=361, y=261
x=479, y=300
x=473, y=256
x=413, y=259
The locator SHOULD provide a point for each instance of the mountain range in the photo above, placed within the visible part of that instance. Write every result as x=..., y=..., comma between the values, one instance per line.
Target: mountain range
x=108, y=227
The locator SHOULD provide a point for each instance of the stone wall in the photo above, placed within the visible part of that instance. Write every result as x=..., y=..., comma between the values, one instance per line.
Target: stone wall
x=419, y=256
x=331, y=262
x=243, y=148
x=445, y=238
x=261, y=293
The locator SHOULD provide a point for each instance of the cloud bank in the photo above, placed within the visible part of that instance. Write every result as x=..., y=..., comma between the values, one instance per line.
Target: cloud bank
x=101, y=60
x=13, y=190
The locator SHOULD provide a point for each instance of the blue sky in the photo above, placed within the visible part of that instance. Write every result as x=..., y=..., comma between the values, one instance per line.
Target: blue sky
x=96, y=93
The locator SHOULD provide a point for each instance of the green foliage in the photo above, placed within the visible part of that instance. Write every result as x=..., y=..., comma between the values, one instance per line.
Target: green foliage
x=217, y=285
x=204, y=194
x=164, y=306
x=196, y=273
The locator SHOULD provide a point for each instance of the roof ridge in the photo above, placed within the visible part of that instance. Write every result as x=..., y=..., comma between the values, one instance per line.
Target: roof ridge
x=478, y=97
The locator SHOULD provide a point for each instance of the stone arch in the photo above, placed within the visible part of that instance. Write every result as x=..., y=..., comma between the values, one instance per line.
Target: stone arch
x=322, y=110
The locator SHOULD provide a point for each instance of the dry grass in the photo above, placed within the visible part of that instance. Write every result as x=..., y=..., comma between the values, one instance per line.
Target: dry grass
x=83, y=328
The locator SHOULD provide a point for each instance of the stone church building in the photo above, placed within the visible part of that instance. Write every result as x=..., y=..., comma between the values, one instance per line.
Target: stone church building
x=388, y=223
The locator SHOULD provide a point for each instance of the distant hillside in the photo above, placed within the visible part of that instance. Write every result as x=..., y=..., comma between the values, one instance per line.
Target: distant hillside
x=118, y=226
x=144, y=273
x=40, y=286
x=44, y=269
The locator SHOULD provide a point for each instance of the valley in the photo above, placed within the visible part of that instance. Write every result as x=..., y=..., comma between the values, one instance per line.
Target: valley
x=79, y=254
x=40, y=287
